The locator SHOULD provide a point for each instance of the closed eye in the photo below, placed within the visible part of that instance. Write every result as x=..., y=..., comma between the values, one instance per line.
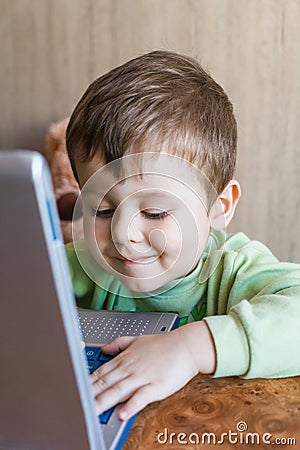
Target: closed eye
x=108, y=213
x=104, y=213
x=155, y=215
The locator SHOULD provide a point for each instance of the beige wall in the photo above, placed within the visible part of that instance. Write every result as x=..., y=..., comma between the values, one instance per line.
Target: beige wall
x=51, y=49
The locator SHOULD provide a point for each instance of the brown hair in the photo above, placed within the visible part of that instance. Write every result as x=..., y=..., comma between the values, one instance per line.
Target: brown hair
x=160, y=101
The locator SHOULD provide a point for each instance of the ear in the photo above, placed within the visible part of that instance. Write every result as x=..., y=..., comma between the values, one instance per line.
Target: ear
x=223, y=209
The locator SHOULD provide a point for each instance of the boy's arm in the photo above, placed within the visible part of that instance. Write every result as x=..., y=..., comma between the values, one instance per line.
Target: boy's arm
x=253, y=310
x=150, y=368
x=256, y=312
x=260, y=336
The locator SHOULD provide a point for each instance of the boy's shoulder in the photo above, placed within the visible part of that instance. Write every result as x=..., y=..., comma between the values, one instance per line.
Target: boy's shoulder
x=237, y=243
x=235, y=254
x=228, y=254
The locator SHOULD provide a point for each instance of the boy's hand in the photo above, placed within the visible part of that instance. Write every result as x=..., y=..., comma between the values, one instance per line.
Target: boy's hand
x=151, y=367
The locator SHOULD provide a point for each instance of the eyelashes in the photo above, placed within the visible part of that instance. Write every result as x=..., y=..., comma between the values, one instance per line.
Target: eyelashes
x=155, y=216
x=108, y=213
x=103, y=213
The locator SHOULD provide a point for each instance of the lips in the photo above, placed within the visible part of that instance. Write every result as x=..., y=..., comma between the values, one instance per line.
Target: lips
x=143, y=260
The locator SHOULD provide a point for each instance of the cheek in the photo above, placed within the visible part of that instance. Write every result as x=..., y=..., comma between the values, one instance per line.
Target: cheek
x=94, y=230
x=165, y=236
x=103, y=230
x=186, y=235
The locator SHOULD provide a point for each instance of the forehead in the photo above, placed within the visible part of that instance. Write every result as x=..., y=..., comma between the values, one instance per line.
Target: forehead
x=144, y=174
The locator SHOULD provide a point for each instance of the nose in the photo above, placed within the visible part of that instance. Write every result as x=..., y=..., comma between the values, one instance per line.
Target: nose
x=126, y=227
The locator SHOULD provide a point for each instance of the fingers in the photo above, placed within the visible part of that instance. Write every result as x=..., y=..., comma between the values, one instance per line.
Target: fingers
x=114, y=383
x=139, y=397
x=117, y=345
x=138, y=374
x=102, y=371
x=139, y=400
x=116, y=393
x=114, y=347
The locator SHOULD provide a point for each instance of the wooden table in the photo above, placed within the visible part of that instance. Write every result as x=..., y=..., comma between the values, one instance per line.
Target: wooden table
x=240, y=408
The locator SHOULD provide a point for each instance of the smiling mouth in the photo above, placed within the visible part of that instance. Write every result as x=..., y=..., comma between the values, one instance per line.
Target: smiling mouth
x=138, y=261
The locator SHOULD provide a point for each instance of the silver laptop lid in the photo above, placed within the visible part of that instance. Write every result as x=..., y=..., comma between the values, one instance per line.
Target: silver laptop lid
x=45, y=402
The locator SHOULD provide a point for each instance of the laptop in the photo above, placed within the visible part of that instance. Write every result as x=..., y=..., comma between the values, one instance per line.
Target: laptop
x=46, y=401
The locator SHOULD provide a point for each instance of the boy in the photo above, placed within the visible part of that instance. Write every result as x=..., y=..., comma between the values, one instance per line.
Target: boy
x=152, y=144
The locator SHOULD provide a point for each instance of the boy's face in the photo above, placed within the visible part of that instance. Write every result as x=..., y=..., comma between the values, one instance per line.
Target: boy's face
x=145, y=229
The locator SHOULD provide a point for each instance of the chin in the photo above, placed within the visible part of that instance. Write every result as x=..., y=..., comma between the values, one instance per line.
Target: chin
x=141, y=286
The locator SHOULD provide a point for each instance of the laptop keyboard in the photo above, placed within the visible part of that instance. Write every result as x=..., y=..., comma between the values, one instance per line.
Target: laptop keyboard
x=95, y=359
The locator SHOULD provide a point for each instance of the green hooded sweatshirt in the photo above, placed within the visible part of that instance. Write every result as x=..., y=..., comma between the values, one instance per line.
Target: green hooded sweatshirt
x=249, y=300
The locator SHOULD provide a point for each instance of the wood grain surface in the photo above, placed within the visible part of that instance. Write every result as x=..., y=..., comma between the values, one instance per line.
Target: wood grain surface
x=270, y=408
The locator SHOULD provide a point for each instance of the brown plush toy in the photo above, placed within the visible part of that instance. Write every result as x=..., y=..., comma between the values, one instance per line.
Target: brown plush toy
x=65, y=186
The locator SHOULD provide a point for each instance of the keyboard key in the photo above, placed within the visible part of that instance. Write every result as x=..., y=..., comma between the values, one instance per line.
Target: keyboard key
x=105, y=358
x=93, y=365
x=104, y=417
x=95, y=359
x=92, y=352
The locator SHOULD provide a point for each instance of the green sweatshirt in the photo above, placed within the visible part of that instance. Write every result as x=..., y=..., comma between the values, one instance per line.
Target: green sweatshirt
x=249, y=300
